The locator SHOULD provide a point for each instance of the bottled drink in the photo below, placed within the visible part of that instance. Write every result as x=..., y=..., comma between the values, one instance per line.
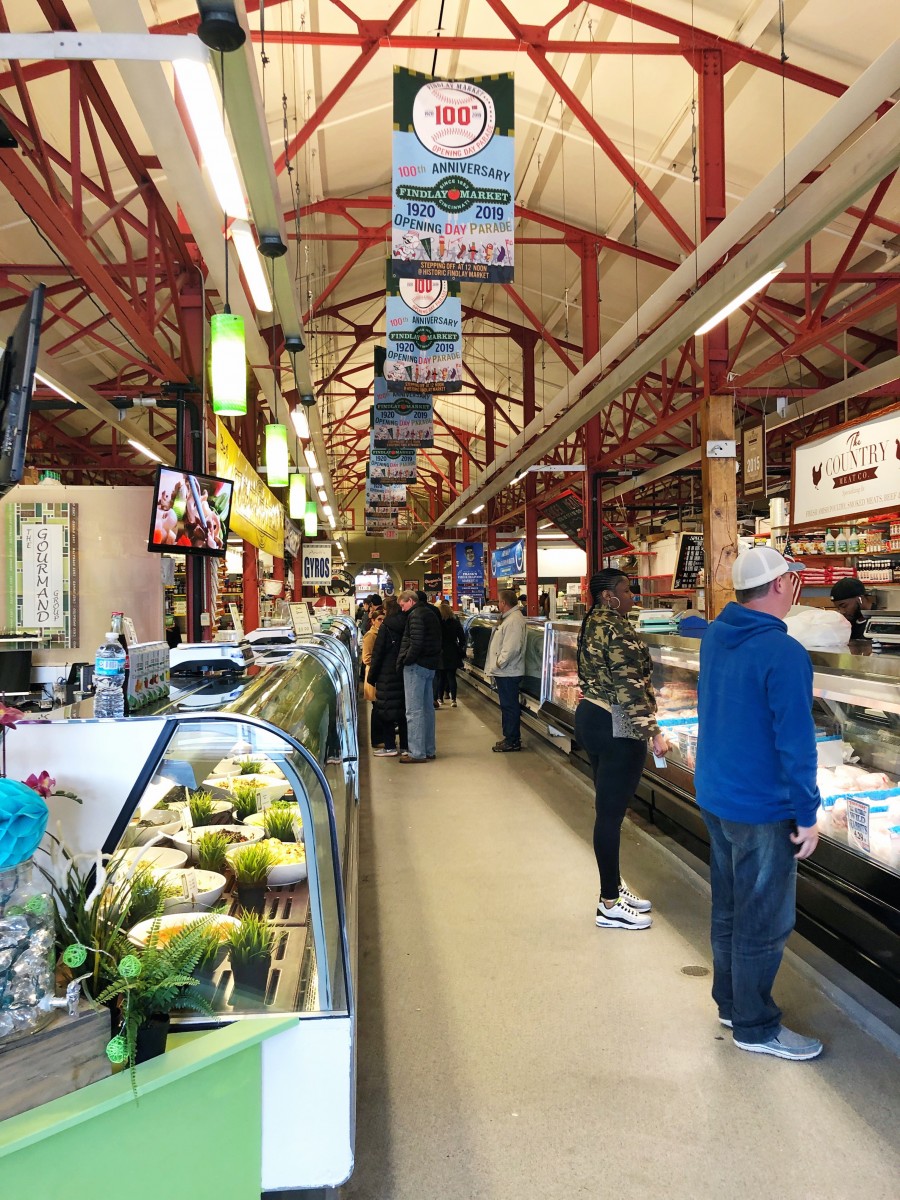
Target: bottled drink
x=116, y=625
x=109, y=678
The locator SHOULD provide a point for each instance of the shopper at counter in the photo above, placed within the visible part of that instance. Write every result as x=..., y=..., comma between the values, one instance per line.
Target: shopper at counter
x=376, y=616
x=505, y=664
x=850, y=598
x=419, y=658
x=613, y=724
x=453, y=649
x=756, y=786
x=389, y=709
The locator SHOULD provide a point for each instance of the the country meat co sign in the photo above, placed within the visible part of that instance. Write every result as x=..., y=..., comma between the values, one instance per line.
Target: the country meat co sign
x=850, y=471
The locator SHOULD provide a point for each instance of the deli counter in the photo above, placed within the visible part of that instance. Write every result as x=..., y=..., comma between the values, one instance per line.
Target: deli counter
x=281, y=737
x=848, y=894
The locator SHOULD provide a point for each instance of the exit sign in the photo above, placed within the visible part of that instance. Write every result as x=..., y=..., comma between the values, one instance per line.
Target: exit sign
x=376, y=554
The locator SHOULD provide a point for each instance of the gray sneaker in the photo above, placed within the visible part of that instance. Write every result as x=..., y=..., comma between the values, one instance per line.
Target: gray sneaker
x=785, y=1044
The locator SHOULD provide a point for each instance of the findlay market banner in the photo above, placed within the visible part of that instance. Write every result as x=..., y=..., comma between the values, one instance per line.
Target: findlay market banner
x=850, y=471
x=453, y=178
x=423, y=319
x=401, y=421
x=391, y=466
x=385, y=495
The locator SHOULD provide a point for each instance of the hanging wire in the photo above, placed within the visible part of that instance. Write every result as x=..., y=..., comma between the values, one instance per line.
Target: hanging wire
x=695, y=173
x=224, y=214
x=784, y=58
x=439, y=30
x=634, y=193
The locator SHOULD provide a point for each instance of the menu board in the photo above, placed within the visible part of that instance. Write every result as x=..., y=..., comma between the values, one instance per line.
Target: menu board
x=612, y=542
x=567, y=513
x=688, y=562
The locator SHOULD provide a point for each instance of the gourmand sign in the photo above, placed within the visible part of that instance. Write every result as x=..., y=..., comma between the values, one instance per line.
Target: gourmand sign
x=849, y=471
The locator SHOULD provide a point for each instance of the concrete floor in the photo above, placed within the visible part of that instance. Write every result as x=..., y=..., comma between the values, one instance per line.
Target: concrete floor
x=510, y=1050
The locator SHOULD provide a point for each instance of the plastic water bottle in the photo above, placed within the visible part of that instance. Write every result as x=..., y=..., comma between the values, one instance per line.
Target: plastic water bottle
x=109, y=678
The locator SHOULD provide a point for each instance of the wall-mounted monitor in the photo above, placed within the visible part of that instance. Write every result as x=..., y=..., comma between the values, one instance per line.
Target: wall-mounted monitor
x=16, y=384
x=191, y=513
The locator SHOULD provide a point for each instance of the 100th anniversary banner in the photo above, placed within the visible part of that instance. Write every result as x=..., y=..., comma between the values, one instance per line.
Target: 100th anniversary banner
x=424, y=336
x=453, y=178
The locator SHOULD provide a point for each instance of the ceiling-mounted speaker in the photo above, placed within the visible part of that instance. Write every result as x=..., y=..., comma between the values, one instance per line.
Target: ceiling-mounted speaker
x=271, y=245
x=219, y=27
x=294, y=343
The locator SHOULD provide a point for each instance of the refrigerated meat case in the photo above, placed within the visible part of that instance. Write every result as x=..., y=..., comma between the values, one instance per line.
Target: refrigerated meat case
x=478, y=630
x=848, y=894
x=299, y=718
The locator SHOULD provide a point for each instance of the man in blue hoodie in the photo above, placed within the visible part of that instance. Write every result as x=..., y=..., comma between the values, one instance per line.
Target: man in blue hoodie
x=756, y=784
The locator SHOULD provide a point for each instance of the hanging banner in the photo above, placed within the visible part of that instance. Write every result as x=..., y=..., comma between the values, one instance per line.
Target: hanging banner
x=391, y=466
x=316, y=564
x=850, y=471
x=401, y=421
x=567, y=513
x=42, y=576
x=453, y=178
x=509, y=560
x=423, y=319
x=385, y=495
x=256, y=515
x=753, y=460
x=469, y=564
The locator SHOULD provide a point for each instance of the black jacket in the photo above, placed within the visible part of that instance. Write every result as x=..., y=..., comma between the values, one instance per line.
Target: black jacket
x=422, y=639
x=453, y=644
x=390, y=699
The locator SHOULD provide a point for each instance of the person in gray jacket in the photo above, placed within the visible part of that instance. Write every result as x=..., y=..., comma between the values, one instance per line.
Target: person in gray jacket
x=505, y=663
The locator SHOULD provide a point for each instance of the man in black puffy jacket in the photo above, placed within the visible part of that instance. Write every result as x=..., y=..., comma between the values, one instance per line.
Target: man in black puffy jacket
x=419, y=656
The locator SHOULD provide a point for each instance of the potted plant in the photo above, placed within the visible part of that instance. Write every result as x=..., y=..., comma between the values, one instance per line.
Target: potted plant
x=245, y=800
x=251, y=866
x=278, y=822
x=151, y=983
x=249, y=766
x=211, y=848
x=250, y=946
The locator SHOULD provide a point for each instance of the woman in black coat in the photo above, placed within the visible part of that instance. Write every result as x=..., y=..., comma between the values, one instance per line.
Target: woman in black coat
x=389, y=709
x=453, y=651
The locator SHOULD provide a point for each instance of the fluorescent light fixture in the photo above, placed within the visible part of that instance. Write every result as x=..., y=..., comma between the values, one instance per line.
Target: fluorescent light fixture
x=301, y=424
x=318, y=479
x=327, y=510
x=462, y=520
x=278, y=467
x=205, y=112
x=311, y=461
x=143, y=449
x=477, y=510
x=54, y=387
x=758, y=286
x=228, y=371
x=323, y=495
x=245, y=244
x=553, y=537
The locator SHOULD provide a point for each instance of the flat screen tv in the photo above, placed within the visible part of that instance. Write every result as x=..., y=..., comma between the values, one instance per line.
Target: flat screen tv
x=16, y=383
x=191, y=513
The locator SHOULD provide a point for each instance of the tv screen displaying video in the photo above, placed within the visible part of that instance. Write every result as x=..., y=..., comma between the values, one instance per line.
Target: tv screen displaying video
x=191, y=513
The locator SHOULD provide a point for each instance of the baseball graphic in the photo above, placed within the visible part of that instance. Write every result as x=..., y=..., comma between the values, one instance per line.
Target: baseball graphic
x=453, y=119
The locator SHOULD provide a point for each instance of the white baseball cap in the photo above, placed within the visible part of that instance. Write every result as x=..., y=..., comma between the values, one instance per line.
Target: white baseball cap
x=760, y=565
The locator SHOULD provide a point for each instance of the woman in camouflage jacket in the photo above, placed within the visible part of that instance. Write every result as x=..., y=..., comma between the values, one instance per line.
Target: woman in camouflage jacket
x=613, y=723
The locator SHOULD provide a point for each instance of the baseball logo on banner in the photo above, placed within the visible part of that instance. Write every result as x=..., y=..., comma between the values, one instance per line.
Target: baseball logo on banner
x=424, y=336
x=316, y=564
x=453, y=178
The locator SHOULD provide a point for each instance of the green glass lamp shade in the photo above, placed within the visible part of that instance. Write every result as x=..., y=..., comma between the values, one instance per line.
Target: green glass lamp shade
x=278, y=465
x=310, y=521
x=297, y=497
x=229, y=365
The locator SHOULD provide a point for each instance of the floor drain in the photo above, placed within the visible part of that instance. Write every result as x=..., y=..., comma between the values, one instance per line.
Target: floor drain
x=697, y=971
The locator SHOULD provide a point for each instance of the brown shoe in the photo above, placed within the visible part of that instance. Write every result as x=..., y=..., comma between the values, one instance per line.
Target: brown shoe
x=405, y=758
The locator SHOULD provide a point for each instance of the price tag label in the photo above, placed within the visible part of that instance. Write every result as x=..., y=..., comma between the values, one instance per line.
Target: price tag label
x=189, y=885
x=297, y=826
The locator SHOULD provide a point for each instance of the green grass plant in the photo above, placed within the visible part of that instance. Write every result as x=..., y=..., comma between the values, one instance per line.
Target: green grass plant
x=252, y=865
x=279, y=822
x=245, y=799
x=250, y=766
x=252, y=940
x=201, y=808
x=211, y=849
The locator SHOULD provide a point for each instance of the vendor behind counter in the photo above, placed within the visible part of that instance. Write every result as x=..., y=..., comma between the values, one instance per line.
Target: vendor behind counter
x=853, y=601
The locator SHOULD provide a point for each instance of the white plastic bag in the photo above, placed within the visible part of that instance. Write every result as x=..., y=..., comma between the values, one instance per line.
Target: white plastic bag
x=818, y=628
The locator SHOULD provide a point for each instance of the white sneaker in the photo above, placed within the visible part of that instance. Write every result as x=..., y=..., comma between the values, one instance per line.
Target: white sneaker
x=785, y=1044
x=626, y=894
x=453, y=704
x=386, y=753
x=621, y=916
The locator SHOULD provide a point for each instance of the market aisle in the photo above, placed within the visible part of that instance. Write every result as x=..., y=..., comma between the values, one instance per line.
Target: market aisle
x=509, y=1050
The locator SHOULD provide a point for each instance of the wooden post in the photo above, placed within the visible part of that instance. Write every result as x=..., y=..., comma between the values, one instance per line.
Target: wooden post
x=719, y=503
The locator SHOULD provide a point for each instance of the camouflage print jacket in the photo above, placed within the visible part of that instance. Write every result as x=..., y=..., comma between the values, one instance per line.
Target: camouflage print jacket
x=614, y=666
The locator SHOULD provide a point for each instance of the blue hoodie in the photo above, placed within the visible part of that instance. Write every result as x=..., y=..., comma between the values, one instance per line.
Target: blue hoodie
x=756, y=751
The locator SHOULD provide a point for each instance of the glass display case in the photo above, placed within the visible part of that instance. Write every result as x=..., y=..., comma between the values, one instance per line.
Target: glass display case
x=849, y=892
x=268, y=760
x=478, y=632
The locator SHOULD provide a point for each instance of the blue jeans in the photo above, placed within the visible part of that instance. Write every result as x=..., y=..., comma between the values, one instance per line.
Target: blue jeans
x=753, y=874
x=510, y=711
x=418, y=684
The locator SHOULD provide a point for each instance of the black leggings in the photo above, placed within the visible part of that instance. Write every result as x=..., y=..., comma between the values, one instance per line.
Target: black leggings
x=617, y=764
x=445, y=683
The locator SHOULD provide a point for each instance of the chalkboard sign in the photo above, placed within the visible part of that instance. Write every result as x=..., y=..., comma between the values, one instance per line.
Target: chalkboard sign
x=612, y=542
x=567, y=513
x=688, y=562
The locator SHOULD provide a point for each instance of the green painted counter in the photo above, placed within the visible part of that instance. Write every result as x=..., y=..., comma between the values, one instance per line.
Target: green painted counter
x=194, y=1132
